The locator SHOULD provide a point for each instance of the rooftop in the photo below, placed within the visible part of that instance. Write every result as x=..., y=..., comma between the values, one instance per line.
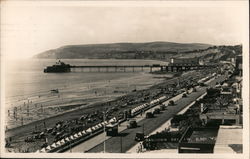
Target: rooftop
x=203, y=136
x=229, y=140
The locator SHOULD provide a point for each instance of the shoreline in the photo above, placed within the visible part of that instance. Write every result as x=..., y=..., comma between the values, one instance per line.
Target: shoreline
x=86, y=107
x=50, y=105
x=18, y=134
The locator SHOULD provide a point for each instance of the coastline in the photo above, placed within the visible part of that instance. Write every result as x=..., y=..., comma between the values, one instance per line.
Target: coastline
x=69, y=99
x=20, y=133
x=87, y=107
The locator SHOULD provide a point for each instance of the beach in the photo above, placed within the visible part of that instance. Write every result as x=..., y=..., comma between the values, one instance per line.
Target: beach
x=19, y=134
x=29, y=97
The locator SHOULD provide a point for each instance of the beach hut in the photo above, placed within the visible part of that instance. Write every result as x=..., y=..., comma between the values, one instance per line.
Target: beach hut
x=112, y=120
x=89, y=130
x=62, y=141
x=80, y=134
x=71, y=137
x=97, y=127
x=58, y=143
x=67, y=139
x=105, y=122
x=53, y=145
x=43, y=150
x=100, y=125
x=83, y=132
x=75, y=136
x=93, y=128
x=48, y=148
x=38, y=151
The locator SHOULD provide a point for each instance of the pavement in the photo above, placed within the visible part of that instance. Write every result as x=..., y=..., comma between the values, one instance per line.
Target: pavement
x=125, y=140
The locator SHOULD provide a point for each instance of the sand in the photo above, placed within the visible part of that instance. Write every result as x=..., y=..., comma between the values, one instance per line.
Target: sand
x=74, y=97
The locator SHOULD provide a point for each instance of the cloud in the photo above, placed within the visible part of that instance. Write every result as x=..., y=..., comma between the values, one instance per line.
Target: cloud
x=46, y=27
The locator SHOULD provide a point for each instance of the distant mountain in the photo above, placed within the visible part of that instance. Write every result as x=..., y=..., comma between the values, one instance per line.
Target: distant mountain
x=150, y=50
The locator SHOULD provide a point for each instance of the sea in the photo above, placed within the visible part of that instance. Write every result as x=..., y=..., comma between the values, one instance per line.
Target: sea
x=28, y=96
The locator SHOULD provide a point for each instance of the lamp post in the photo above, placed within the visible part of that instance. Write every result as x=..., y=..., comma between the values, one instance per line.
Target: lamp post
x=104, y=144
x=121, y=143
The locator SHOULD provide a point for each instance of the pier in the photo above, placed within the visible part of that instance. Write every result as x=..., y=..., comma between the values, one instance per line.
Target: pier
x=137, y=68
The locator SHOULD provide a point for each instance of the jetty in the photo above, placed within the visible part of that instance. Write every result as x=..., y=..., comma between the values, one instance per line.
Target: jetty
x=175, y=65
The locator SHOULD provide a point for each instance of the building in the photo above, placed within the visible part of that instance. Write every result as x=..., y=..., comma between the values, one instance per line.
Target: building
x=225, y=143
x=238, y=65
x=185, y=61
x=198, y=140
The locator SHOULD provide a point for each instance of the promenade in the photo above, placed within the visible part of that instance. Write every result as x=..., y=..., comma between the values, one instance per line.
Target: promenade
x=125, y=140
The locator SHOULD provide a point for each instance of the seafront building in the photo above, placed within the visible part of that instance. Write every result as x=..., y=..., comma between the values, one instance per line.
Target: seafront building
x=220, y=114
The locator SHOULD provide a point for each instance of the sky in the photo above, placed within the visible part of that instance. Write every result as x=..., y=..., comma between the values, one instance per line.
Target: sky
x=31, y=28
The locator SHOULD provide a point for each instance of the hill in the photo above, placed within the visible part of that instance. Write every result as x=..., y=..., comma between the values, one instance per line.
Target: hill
x=150, y=50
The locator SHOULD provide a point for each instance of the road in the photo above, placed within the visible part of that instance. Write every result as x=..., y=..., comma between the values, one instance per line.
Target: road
x=86, y=145
x=125, y=140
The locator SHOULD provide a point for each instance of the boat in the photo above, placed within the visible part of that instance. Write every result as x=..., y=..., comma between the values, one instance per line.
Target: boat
x=54, y=91
x=57, y=68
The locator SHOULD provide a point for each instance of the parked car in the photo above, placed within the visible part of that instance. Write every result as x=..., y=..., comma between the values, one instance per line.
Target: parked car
x=194, y=90
x=157, y=111
x=132, y=124
x=163, y=107
x=184, y=95
x=139, y=136
x=149, y=115
x=171, y=103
